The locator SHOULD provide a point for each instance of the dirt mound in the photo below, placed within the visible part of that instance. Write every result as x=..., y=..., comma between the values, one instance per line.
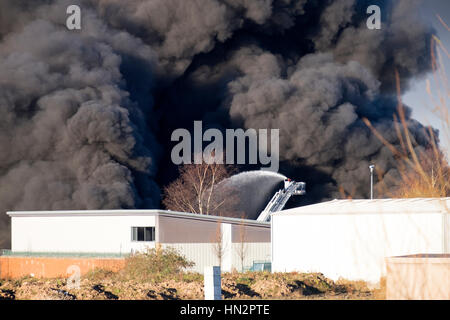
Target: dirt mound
x=250, y=285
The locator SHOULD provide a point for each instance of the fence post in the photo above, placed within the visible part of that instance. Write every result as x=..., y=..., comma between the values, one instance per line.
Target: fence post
x=212, y=283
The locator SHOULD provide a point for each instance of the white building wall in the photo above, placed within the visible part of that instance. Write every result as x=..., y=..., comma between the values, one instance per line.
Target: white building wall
x=227, y=258
x=352, y=246
x=446, y=231
x=253, y=251
x=101, y=234
x=203, y=254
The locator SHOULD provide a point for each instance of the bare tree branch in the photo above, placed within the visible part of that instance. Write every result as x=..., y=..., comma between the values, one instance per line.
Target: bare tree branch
x=196, y=190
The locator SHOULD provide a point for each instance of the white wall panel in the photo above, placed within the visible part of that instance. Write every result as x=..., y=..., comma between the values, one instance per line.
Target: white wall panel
x=109, y=234
x=351, y=246
x=203, y=254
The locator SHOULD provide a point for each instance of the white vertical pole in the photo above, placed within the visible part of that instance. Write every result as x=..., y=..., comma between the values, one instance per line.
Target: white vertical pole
x=271, y=242
x=371, y=180
x=212, y=283
x=227, y=257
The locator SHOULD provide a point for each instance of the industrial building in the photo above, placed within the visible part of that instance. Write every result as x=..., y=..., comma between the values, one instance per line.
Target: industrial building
x=120, y=232
x=351, y=238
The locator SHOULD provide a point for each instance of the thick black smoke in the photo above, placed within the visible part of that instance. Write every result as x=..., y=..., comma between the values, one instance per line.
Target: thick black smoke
x=74, y=132
x=86, y=116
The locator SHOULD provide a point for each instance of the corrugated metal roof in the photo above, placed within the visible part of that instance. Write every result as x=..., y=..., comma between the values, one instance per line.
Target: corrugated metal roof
x=355, y=206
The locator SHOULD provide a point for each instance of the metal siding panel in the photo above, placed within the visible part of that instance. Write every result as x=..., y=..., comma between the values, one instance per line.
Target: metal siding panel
x=180, y=230
x=204, y=256
x=250, y=233
x=256, y=251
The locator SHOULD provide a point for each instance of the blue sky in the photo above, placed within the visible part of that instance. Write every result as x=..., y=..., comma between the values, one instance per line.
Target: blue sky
x=416, y=97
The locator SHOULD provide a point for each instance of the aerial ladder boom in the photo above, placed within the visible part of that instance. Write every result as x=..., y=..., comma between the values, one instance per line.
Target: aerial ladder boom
x=281, y=197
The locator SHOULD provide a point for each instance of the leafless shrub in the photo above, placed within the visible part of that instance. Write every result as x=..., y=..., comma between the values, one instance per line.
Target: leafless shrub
x=155, y=264
x=242, y=246
x=219, y=247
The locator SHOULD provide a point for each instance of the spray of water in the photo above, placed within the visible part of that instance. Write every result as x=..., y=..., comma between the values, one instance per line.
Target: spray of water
x=255, y=189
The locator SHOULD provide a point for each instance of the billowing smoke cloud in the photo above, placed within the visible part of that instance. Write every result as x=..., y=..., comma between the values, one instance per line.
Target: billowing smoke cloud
x=72, y=132
x=316, y=85
x=179, y=30
x=86, y=116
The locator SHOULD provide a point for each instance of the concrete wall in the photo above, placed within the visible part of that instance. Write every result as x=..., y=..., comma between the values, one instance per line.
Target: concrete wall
x=418, y=277
x=352, y=246
x=39, y=267
x=108, y=233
